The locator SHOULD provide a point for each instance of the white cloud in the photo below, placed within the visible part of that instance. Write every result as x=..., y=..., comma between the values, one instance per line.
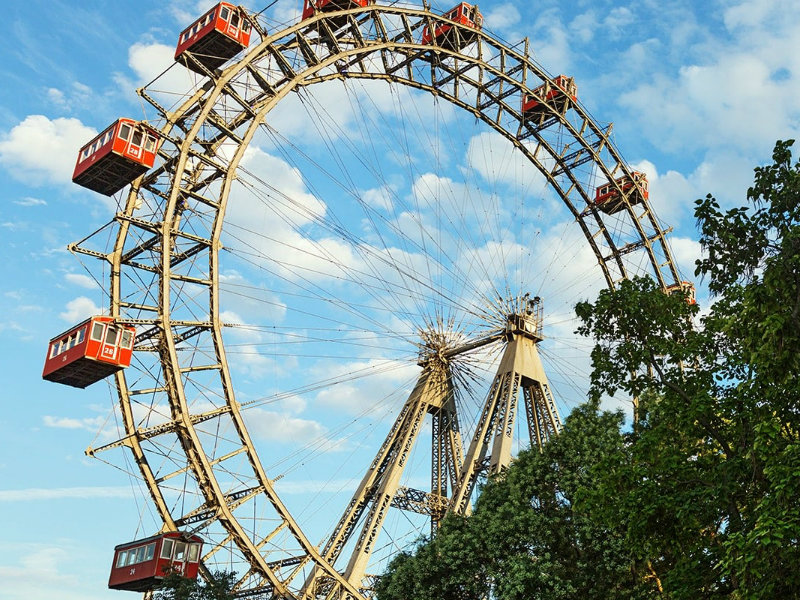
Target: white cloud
x=502, y=17
x=498, y=161
x=79, y=309
x=724, y=174
x=280, y=427
x=380, y=198
x=42, y=572
x=76, y=96
x=56, y=96
x=81, y=280
x=277, y=225
x=49, y=494
x=298, y=116
x=360, y=387
x=40, y=568
x=685, y=251
x=749, y=14
x=584, y=26
x=551, y=42
x=40, y=150
x=89, y=424
x=248, y=303
x=249, y=359
x=149, y=60
x=30, y=201
x=617, y=21
x=737, y=94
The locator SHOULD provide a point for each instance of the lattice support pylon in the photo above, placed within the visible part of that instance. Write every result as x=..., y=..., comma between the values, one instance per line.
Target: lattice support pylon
x=447, y=454
x=433, y=394
x=520, y=369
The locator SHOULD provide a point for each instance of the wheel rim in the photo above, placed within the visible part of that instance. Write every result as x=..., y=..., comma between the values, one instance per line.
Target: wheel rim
x=166, y=259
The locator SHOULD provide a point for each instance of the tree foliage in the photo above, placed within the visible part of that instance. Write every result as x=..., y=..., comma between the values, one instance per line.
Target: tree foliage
x=219, y=586
x=711, y=476
x=530, y=537
x=700, y=499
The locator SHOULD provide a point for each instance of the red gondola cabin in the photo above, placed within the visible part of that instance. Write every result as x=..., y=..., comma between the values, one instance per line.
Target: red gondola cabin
x=314, y=6
x=453, y=39
x=139, y=566
x=549, y=96
x=684, y=287
x=214, y=38
x=89, y=352
x=608, y=199
x=116, y=157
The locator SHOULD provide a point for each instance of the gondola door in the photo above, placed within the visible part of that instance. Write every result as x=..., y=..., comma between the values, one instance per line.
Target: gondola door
x=179, y=558
x=108, y=350
x=135, y=147
x=233, y=24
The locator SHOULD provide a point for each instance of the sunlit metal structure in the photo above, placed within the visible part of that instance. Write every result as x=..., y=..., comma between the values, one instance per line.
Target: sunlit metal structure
x=173, y=244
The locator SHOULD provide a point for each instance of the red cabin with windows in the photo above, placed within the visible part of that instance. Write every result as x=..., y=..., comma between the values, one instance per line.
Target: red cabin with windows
x=89, y=352
x=551, y=95
x=686, y=288
x=310, y=7
x=446, y=36
x=214, y=38
x=116, y=157
x=608, y=199
x=139, y=566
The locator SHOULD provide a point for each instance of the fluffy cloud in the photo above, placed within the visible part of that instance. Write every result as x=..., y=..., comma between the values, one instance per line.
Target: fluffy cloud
x=380, y=198
x=502, y=17
x=685, y=251
x=726, y=175
x=149, y=60
x=79, y=309
x=77, y=95
x=281, y=427
x=551, y=41
x=498, y=161
x=81, y=280
x=40, y=150
x=361, y=387
x=89, y=424
x=738, y=93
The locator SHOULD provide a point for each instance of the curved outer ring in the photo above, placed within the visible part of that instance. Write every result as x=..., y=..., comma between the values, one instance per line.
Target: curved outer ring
x=291, y=41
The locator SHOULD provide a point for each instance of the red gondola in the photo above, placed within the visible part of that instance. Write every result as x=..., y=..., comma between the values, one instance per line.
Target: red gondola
x=557, y=95
x=314, y=6
x=444, y=36
x=608, y=199
x=214, y=38
x=89, y=352
x=138, y=566
x=116, y=157
x=684, y=287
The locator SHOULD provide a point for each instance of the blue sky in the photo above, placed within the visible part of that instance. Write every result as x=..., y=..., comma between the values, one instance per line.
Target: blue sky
x=698, y=94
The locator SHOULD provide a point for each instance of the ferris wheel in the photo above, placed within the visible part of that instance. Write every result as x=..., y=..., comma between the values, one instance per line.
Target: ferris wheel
x=381, y=211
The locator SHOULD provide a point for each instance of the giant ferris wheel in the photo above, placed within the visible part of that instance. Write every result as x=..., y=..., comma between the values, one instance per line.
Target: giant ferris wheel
x=379, y=213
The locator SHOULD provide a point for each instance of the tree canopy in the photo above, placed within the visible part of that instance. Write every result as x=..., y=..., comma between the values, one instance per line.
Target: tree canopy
x=529, y=537
x=218, y=586
x=700, y=498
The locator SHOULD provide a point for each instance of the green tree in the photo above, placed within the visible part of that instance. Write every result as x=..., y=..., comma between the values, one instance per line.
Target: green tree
x=530, y=537
x=708, y=485
x=701, y=498
x=219, y=586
